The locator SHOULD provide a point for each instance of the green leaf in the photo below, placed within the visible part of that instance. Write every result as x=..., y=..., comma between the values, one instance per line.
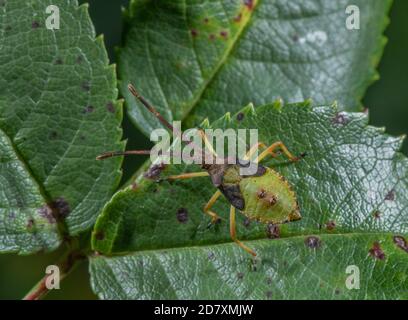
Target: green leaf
x=26, y=222
x=352, y=182
x=58, y=109
x=289, y=269
x=202, y=59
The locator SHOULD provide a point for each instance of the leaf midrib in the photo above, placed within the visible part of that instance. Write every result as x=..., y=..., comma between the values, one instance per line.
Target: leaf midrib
x=252, y=240
x=245, y=22
x=61, y=226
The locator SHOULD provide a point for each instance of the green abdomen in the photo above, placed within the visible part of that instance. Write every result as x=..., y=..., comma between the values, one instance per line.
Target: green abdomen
x=269, y=198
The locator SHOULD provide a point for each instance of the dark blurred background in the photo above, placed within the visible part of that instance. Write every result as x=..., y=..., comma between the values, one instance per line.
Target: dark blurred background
x=387, y=100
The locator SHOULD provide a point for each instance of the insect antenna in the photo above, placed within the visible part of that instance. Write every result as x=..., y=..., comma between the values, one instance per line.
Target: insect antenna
x=166, y=123
x=151, y=108
x=121, y=153
x=163, y=121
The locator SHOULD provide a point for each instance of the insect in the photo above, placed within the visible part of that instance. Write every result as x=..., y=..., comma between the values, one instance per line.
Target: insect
x=264, y=196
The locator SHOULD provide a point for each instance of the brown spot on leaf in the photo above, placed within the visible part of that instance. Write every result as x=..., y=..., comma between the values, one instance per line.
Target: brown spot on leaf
x=390, y=195
x=61, y=207
x=134, y=186
x=249, y=4
x=377, y=214
x=272, y=231
x=206, y=20
x=401, y=242
x=110, y=107
x=99, y=235
x=86, y=86
x=46, y=212
x=240, y=275
x=330, y=225
x=88, y=109
x=182, y=215
x=254, y=265
x=238, y=18
x=240, y=116
x=30, y=223
x=58, y=61
x=53, y=135
x=211, y=36
x=194, y=32
x=313, y=242
x=224, y=34
x=376, y=251
x=340, y=119
x=337, y=291
x=154, y=171
x=35, y=25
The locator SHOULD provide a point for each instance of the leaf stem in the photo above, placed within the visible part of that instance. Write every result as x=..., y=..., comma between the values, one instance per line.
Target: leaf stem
x=66, y=264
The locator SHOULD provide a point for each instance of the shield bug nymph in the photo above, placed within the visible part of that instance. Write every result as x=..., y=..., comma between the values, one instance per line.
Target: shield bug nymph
x=264, y=196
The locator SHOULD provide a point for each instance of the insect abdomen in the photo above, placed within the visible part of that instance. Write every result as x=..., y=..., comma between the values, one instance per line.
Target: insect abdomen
x=269, y=198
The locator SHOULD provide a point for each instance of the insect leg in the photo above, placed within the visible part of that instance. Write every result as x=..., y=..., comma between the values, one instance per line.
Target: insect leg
x=254, y=148
x=233, y=233
x=272, y=147
x=207, y=143
x=210, y=203
x=187, y=175
x=110, y=154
